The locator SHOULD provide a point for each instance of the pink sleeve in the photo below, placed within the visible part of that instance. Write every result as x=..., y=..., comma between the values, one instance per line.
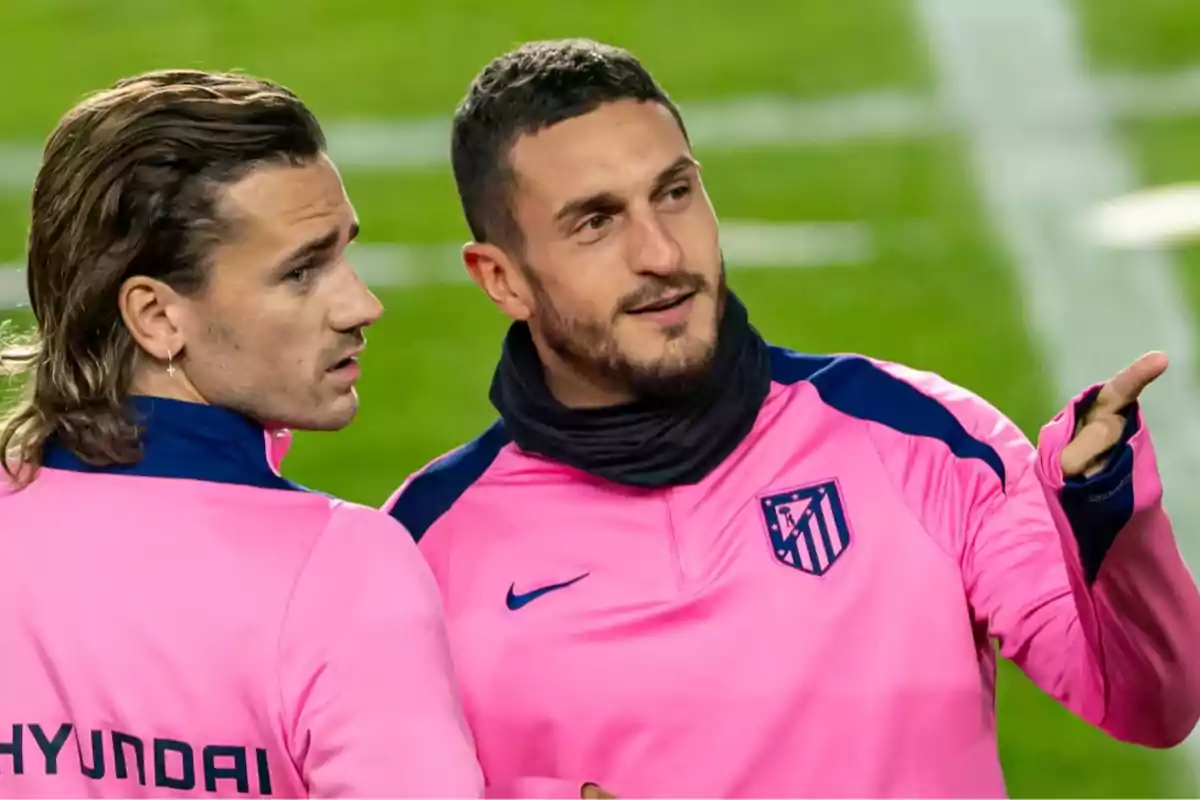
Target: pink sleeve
x=1138, y=604
x=1081, y=582
x=368, y=690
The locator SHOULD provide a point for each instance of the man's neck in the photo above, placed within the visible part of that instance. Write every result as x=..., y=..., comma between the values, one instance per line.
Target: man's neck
x=154, y=382
x=573, y=389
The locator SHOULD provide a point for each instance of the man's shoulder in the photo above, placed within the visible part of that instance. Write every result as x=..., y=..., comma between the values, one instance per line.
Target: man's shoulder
x=912, y=402
x=877, y=389
x=431, y=491
x=363, y=537
x=848, y=370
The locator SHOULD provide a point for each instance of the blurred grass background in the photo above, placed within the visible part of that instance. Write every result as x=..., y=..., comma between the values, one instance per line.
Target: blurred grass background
x=934, y=290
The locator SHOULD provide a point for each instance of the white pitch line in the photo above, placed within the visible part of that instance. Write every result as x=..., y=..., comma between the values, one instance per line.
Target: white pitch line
x=12, y=286
x=1004, y=67
x=747, y=244
x=741, y=123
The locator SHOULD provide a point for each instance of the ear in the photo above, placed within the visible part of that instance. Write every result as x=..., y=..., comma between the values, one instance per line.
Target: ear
x=500, y=277
x=151, y=312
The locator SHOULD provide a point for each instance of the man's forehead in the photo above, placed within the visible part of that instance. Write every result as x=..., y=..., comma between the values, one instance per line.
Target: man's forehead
x=620, y=144
x=274, y=199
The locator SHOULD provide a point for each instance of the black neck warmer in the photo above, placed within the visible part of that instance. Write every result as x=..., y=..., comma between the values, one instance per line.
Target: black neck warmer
x=646, y=443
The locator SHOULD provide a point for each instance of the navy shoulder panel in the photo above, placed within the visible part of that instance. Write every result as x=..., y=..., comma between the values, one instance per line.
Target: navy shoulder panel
x=431, y=494
x=860, y=389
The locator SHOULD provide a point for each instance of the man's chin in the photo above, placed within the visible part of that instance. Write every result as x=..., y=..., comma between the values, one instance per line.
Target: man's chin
x=332, y=416
x=340, y=414
x=670, y=378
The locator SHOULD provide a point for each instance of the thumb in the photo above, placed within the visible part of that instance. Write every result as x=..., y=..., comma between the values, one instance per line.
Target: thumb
x=1127, y=384
x=591, y=790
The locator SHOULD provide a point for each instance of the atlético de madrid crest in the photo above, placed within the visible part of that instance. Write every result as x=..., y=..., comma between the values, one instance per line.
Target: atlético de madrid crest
x=807, y=526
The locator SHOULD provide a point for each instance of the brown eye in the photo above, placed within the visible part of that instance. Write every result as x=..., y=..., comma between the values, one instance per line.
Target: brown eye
x=596, y=222
x=300, y=274
x=679, y=192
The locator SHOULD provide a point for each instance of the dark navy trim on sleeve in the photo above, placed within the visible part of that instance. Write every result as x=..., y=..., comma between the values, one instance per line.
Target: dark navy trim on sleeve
x=431, y=494
x=856, y=387
x=1098, y=507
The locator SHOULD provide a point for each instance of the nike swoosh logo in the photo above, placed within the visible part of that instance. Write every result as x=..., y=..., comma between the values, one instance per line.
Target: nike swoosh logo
x=516, y=601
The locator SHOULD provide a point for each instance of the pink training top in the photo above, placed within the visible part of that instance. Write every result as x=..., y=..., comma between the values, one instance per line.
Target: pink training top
x=196, y=625
x=817, y=616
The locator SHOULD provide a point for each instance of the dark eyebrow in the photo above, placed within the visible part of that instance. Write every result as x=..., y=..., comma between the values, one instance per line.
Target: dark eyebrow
x=607, y=202
x=319, y=245
x=673, y=172
x=602, y=202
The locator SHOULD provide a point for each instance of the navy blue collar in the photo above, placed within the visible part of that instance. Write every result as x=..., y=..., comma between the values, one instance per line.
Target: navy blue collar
x=189, y=441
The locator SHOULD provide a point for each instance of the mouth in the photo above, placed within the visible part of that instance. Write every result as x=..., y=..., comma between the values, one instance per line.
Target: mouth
x=663, y=304
x=349, y=362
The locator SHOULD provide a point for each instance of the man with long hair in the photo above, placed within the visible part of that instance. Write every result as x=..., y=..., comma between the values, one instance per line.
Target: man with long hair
x=174, y=615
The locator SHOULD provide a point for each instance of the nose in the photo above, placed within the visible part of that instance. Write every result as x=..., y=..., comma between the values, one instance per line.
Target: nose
x=356, y=305
x=655, y=250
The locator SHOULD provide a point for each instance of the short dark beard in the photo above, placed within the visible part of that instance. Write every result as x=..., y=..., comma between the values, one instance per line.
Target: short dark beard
x=589, y=348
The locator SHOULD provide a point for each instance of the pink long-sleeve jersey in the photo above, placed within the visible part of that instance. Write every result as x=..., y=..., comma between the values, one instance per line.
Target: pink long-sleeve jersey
x=195, y=625
x=816, y=617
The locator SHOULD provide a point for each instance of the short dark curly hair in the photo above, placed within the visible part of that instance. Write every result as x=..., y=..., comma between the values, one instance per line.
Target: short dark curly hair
x=521, y=92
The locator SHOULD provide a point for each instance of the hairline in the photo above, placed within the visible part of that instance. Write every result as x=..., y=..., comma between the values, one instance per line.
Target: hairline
x=505, y=174
x=228, y=221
